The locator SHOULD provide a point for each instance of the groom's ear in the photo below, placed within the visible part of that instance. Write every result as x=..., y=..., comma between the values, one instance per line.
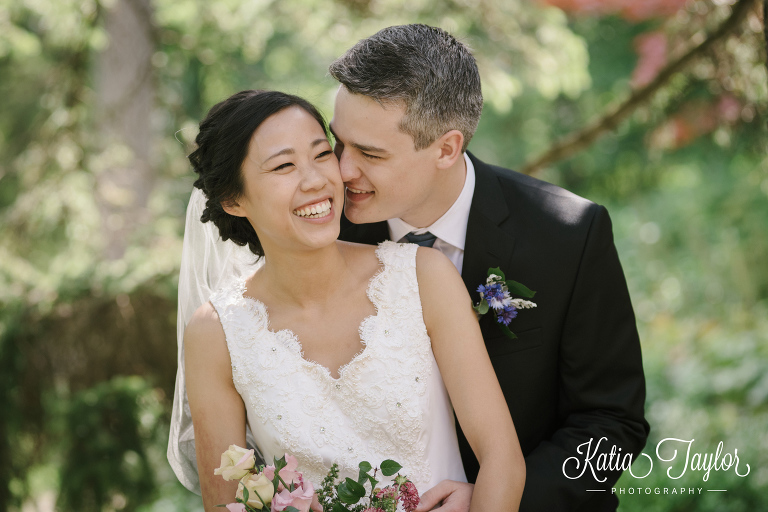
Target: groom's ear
x=449, y=146
x=233, y=208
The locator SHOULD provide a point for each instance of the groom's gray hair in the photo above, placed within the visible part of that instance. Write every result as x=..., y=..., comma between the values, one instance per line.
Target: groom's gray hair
x=424, y=69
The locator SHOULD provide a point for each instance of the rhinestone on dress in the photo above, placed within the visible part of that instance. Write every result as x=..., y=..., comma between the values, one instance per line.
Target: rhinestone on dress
x=386, y=332
x=274, y=349
x=399, y=404
x=279, y=416
x=338, y=386
x=322, y=429
x=417, y=379
x=350, y=449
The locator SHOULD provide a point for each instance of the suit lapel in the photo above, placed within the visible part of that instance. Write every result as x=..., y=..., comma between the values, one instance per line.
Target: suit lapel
x=486, y=245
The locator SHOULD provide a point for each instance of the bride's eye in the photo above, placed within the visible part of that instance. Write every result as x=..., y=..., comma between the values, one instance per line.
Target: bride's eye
x=324, y=154
x=283, y=166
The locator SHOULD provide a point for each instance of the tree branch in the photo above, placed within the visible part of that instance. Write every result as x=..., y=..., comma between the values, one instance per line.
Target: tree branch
x=582, y=139
x=765, y=27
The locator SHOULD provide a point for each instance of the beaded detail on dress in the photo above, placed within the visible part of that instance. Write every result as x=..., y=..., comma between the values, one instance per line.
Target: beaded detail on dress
x=379, y=406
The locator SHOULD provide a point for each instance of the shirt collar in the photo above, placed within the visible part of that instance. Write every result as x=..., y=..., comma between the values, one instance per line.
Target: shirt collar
x=452, y=226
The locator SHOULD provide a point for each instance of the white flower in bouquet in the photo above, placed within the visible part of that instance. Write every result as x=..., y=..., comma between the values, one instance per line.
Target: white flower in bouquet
x=259, y=488
x=236, y=462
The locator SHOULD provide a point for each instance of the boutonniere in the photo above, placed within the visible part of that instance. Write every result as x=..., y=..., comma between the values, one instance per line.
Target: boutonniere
x=496, y=294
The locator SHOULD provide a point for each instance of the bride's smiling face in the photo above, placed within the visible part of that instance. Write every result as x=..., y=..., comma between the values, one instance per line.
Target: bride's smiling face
x=293, y=192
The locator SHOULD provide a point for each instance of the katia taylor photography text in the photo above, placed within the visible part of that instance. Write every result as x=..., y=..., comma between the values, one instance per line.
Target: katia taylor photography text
x=595, y=459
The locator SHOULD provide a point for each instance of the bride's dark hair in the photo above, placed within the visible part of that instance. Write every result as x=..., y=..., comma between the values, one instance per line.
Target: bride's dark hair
x=222, y=146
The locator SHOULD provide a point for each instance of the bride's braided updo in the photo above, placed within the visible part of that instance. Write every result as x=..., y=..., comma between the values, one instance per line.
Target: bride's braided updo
x=222, y=146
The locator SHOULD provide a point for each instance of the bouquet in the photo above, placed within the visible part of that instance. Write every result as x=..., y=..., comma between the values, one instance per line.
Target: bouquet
x=280, y=487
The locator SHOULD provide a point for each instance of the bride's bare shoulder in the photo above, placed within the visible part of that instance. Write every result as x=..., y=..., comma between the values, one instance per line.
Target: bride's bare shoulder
x=359, y=252
x=204, y=331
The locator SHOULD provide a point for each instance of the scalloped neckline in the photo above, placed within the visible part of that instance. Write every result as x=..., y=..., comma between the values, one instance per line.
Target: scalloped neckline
x=294, y=345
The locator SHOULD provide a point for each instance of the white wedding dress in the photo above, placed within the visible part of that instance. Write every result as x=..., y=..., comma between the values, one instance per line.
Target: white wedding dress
x=389, y=401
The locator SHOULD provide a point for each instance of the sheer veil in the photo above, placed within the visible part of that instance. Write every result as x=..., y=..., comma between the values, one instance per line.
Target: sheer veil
x=207, y=264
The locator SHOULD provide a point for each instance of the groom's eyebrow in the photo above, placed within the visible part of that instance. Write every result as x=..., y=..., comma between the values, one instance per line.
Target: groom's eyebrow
x=360, y=147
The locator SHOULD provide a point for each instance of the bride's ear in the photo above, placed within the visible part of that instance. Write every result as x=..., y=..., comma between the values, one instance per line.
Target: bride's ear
x=233, y=208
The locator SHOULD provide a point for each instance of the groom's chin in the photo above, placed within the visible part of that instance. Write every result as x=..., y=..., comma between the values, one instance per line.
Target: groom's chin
x=357, y=215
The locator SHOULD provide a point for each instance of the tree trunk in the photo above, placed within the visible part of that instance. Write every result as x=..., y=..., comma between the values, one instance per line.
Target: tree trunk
x=125, y=95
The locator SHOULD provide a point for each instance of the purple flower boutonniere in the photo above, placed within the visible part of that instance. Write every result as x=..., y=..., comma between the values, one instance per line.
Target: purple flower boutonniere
x=496, y=295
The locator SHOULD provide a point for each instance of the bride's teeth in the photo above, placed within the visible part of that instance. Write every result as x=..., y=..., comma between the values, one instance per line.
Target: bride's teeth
x=315, y=211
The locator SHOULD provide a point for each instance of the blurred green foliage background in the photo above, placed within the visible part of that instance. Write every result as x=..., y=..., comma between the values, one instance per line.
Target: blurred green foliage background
x=100, y=102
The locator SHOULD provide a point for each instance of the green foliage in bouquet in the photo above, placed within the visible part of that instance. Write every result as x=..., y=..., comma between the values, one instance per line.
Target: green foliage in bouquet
x=346, y=496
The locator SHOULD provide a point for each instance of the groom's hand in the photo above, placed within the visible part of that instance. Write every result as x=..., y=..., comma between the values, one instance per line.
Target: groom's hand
x=447, y=496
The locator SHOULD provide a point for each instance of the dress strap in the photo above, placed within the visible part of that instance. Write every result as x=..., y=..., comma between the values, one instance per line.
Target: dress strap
x=396, y=255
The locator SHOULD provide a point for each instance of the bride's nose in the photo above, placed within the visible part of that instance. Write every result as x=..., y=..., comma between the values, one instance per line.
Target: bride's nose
x=312, y=177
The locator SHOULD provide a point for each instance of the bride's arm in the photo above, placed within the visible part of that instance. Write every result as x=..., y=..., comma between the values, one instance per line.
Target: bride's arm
x=218, y=412
x=471, y=383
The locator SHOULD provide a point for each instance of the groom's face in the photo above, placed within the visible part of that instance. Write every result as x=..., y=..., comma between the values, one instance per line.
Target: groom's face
x=384, y=175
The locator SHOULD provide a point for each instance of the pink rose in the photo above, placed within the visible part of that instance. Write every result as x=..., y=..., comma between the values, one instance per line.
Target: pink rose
x=236, y=507
x=303, y=498
x=288, y=473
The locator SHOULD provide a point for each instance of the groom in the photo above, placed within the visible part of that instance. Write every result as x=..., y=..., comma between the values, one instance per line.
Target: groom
x=408, y=105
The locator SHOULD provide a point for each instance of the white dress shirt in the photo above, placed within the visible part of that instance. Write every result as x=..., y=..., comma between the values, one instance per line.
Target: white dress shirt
x=451, y=228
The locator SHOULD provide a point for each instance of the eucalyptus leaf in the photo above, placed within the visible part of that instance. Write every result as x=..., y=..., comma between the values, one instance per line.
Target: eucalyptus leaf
x=365, y=467
x=345, y=494
x=355, y=488
x=390, y=467
x=338, y=507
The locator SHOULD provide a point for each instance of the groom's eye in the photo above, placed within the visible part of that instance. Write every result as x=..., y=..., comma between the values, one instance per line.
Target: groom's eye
x=372, y=157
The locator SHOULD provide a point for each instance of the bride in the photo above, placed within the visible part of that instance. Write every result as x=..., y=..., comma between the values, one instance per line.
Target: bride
x=331, y=351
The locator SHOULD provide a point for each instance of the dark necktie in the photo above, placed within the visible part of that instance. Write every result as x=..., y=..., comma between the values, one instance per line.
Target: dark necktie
x=425, y=240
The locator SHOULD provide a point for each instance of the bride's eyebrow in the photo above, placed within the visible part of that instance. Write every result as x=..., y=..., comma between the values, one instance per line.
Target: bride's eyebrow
x=286, y=151
x=291, y=151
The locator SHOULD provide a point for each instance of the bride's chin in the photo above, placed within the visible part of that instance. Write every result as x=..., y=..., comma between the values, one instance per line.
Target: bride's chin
x=321, y=238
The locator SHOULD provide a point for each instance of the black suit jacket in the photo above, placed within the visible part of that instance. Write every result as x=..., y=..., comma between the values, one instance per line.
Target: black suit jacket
x=575, y=372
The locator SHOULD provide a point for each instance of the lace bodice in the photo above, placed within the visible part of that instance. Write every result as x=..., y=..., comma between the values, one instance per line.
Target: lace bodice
x=389, y=401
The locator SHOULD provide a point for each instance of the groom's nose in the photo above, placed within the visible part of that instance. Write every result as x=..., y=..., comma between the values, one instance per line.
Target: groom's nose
x=349, y=169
